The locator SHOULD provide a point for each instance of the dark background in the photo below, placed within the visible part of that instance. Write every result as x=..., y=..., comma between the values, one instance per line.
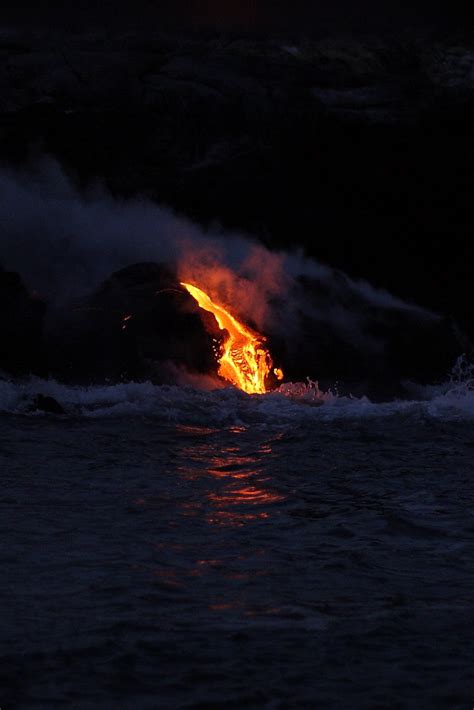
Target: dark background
x=359, y=148
x=309, y=18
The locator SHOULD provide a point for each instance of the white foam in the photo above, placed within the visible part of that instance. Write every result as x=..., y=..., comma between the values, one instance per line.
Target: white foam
x=224, y=407
x=457, y=402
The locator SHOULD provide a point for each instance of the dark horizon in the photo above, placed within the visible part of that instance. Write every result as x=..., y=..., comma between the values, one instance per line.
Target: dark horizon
x=267, y=17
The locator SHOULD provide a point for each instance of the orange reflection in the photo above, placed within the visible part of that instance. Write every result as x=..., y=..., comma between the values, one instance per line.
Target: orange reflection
x=240, y=490
x=168, y=578
x=251, y=495
x=245, y=496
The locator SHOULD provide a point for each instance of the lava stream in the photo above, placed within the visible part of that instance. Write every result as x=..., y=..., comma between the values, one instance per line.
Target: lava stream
x=244, y=361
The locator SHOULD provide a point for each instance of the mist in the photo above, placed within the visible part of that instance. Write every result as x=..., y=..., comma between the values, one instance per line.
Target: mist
x=64, y=243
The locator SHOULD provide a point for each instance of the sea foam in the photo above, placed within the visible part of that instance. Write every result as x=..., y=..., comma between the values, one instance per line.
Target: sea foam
x=293, y=402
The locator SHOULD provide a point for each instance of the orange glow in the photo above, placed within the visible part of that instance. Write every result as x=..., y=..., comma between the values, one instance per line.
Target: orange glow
x=245, y=361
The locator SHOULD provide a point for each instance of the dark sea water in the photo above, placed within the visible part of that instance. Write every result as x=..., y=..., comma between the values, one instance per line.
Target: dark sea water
x=168, y=548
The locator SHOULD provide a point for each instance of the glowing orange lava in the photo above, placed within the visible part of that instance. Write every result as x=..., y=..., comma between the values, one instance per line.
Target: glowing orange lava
x=245, y=361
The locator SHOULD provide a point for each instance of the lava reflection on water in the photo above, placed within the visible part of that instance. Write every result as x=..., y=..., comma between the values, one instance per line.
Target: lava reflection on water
x=234, y=488
x=245, y=496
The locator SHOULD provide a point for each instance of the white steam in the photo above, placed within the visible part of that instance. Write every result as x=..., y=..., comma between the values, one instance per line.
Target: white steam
x=64, y=243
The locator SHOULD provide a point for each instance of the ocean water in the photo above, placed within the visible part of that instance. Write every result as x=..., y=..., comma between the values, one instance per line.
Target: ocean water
x=164, y=547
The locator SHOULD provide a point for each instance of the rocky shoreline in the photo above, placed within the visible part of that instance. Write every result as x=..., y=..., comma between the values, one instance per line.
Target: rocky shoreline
x=140, y=324
x=359, y=152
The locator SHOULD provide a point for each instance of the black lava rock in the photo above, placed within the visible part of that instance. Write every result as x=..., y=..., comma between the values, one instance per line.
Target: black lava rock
x=21, y=322
x=137, y=322
x=42, y=403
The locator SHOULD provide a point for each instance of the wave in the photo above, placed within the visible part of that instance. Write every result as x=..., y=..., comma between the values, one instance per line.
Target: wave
x=291, y=403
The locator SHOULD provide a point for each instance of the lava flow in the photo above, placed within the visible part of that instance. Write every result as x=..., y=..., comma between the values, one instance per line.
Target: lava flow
x=244, y=361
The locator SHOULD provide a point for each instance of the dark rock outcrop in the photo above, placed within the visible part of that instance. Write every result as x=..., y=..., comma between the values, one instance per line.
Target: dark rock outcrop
x=43, y=403
x=340, y=336
x=360, y=151
x=139, y=320
x=21, y=324
x=142, y=324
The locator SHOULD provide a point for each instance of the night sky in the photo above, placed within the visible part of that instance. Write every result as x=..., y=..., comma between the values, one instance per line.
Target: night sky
x=265, y=16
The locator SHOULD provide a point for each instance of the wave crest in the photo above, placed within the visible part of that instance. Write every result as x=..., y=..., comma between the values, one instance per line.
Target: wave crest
x=291, y=403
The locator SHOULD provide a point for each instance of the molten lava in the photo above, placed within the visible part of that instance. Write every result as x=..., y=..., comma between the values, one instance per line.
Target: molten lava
x=244, y=361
